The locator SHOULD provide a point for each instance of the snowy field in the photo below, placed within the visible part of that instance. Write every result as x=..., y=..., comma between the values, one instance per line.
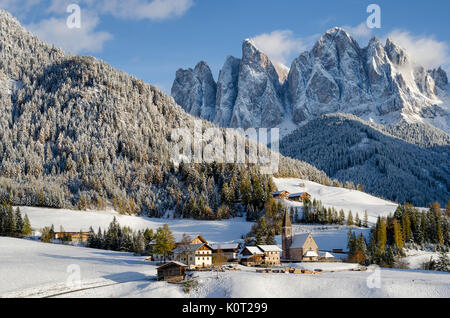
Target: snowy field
x=226, y=231
x=33, y=269
x=339, y=198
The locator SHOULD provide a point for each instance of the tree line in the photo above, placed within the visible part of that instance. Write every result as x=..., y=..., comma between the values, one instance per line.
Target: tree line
x=408, y=227
x=12, y=224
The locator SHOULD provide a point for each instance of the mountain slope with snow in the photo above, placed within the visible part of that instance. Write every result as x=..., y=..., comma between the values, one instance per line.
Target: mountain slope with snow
x=413, y=170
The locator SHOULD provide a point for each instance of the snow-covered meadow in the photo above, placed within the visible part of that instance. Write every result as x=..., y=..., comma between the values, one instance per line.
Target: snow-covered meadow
x=226, y=231
x=33, y=269
x=340, y=198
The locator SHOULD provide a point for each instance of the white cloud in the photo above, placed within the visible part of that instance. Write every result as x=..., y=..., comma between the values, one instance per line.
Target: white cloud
x=279, y=45
x=86, y=39
x=144, y=9
x=425, y=51
x=359, y=32
x=18, y=7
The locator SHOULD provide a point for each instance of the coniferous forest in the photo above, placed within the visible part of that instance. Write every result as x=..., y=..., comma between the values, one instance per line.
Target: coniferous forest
x=76, y=133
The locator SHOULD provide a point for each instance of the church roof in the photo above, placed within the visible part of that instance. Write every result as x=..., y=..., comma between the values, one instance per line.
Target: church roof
x=299, y=240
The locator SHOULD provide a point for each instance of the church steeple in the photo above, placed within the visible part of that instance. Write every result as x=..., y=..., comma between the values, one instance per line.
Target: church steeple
x=286, y=234
x=287, y=219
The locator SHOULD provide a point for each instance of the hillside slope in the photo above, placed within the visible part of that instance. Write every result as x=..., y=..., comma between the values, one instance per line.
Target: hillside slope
x=350, y=149
x=75, y=132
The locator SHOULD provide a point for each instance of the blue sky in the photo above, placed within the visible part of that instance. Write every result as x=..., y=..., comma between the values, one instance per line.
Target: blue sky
x=151, y=39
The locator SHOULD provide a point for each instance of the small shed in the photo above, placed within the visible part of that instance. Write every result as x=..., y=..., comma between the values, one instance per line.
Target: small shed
x=172, y=272
x=326, y=256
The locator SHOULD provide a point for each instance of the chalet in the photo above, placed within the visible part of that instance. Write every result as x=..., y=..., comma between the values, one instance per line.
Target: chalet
x=300, y=247
x=172, y=271
x=272, y=254
x=281, y=194
x=197, y=255
x=299, y=197
x=252, y=256
x=75, y=237
x=230, y=251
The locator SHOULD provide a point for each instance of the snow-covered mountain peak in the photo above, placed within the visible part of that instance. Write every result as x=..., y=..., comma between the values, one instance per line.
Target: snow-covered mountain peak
x=379, y=83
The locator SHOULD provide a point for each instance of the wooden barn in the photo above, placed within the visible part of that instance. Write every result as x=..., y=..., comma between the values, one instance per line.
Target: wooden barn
x=300, y=197
x=172, y=272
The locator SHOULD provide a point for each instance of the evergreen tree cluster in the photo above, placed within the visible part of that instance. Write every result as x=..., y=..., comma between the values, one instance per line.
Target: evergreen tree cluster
x=268, y=225
x=403, y=162
x=315, y=213
x=123, y=239
x=11, y=222
x=407, y=227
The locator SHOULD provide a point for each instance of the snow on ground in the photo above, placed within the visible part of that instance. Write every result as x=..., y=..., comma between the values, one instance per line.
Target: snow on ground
x=339, y=198
x=33, y=269
x=415, y=258
x=74, y=221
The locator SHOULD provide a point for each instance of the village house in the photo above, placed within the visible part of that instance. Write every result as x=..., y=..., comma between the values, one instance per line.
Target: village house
x=299, y=247
x=230, y=251
x=299, y=197
x=172, y=271
x=262, y=254
x=252, y=256
x=196, y=240
x=272, y=254
x=161, y=258
x=280, y=194
x=197, y=255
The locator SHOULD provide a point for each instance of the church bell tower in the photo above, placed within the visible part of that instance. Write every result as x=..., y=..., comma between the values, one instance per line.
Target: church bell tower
x=286, y=234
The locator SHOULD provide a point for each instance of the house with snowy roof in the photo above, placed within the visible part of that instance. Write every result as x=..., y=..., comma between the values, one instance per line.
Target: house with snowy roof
x=281, y=194
x=197, y=255
x=298, y=247
x=229, y=250
x=299, y=197
x=262, y=254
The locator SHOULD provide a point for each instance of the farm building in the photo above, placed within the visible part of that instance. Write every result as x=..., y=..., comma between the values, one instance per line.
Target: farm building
x=198, y=255
x=299, y=197
x=172, y=271
x=281, y=194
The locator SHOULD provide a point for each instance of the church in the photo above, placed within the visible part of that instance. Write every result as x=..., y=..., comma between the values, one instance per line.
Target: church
x=299, y=247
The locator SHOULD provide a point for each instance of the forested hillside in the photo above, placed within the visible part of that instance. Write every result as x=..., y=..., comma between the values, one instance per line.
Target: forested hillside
x=347, y=148
x=75, y=132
